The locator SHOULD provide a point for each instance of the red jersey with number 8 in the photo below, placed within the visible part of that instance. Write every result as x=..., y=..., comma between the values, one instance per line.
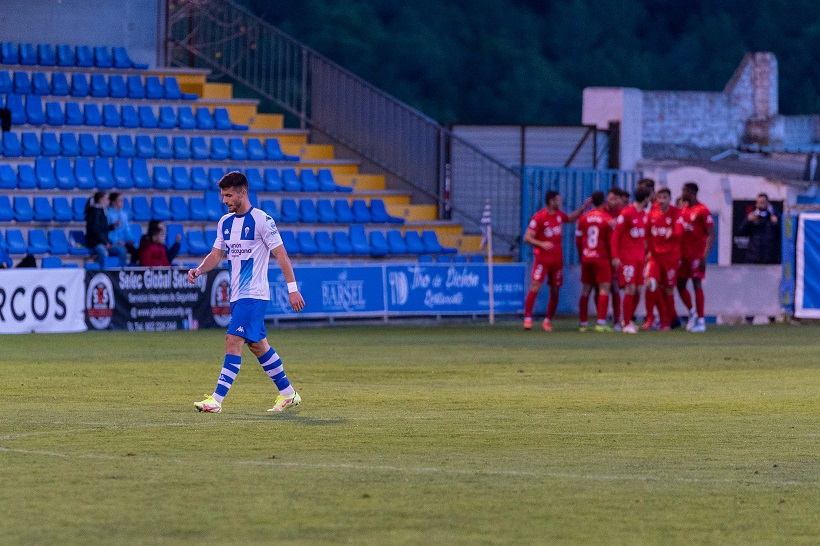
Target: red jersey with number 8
x=595, y=231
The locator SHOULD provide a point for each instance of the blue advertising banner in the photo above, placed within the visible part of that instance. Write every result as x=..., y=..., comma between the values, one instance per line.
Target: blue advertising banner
x=807, y=278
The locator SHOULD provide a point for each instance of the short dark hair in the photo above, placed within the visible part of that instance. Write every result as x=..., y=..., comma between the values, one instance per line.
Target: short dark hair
x=550, y=195
x=665, y=190
x=113, y=197
x=647, y=183
x=615, y=190
x=763, y=194
x=233, y=179
x=622, y=192
x=597, y=198
x=691, y=187
x=641, y=194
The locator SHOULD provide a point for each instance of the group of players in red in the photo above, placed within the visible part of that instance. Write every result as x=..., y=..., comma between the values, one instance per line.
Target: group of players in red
x=648, y=243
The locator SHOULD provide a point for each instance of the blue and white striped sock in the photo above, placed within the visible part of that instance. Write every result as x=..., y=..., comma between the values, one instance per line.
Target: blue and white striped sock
x=229, y=370
x=272, y=365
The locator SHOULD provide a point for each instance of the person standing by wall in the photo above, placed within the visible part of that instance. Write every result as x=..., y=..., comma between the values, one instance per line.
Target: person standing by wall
x=762, y=226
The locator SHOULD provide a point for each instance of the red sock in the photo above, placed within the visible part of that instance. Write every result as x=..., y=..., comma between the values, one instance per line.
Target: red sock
x=583, y=307
x=603, y=303
x=529, y=303
x=700, y=302
x=553, y=303
x=628, y=309
x=671, y=314
x=616, y=306
x=660, y=304
x=636, y=300
x=685, y=297
x=650, y=306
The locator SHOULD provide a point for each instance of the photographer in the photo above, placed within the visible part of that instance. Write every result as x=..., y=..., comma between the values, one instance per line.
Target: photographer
x=762, y=227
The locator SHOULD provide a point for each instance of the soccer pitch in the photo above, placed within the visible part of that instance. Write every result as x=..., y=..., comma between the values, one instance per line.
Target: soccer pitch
x=442, y=434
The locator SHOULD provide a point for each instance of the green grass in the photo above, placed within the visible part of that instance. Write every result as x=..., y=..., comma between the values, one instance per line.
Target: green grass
x=446, y=434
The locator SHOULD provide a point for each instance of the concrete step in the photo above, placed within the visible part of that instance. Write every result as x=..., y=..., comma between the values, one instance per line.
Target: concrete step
x=412, y=213
x=308, y=151
x=360, y=181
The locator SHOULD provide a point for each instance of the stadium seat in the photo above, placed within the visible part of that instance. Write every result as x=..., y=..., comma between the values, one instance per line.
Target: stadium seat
x=14, y=102
x=31, y=145
x=255, y=150
x=341, y=241
x=44, y=171
x=253, y=199
x=396, y=242
x=414, y=243
x=210, y=236
x=255, y=181
x=291, y=180
x=460, y=259
x=179, y=209
x=117, y=88
x=46, y=55
x=425, y=258
x=78, y=206
x=325, y=212
x=199, y=148
x=140, y=175
x=40, y=84
x=273, y=180
x=22, y=209
x=11, y=145
x=9, y=53
x=107, y=146
x=182, y=150
x=307, y=245
x=145, y=147
x=379, y=214
x=58, y=243
x=141, y=209
x=50, y=146
x=181, y=178
x=327, y=183
x=358, y=240
x=162, y=147
x=162, y=178
x=102, y=174
x=167, y=117
x=361, y=214
x=59, y=85
x=121, y=172
x=103, y=57
x=111, y=116
x=196, y=243
x=42, y=209
x=8, y=178
x=99, y=87
x=309, y=180
x=64, y=174
x=22, y=83
x=172, y=230
x=173, y=92
x=130, y=119
x=62, y=209
x=69, y=146
x=79, y=85
x=378, y=244
x=199, y=213
x=125, y=146
x=28, y=55
x=15, y=242
x=51, y=262
x=290, y=242
x=223, y=121
x=136, y=89
x=219, y=149
x=26, y=179
x=83, y=174
x=147, y=118
x=199, y=179
x=204, y=119
x=76, y=243
x=74, y=114
x=289, y=211
x=214, y=205
x=37, y=242
x=5, y=83
x=268, y=206
x=237, y=150
x=431, y=243
x=307, y=211
x=34, y=110
x=344, y=214
x=85, y=57
x=121, y=59
x=94, y=117
x=6, y=210
x=443, y=258
x=153, y=88
x=324, y=244
x=274, y=151
x=477, y=259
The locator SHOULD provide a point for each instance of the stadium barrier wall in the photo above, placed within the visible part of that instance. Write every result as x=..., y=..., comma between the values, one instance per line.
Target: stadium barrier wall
x=42, y=300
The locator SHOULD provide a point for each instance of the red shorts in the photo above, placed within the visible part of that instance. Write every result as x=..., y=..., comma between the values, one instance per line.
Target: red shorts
x=594, y=273
x=692, y=269
x=664, y=269
x=552, y=271
x=631, y=273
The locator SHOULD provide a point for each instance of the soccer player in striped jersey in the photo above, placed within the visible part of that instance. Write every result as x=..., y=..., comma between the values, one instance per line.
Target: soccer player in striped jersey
x=249, y=236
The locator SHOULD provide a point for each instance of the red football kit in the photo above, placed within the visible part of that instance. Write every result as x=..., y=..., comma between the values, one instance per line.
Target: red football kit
x=593, y=234
x=664, y=242
x=696, y=221
x=547, y=226
x=629, y=245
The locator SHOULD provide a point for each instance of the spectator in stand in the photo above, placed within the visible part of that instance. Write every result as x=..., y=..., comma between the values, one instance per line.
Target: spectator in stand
x=696, y=242
x=628, y=250
x=152, y=250
x=97, y=229
x=544, y=234
x=763, y=229
x=117, y=216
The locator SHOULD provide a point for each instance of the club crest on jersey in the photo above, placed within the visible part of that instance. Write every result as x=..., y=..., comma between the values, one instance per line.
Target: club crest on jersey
x=227, y=232
x=247, y=229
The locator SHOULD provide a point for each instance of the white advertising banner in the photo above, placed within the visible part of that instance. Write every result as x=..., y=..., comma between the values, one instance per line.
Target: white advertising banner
x=42, y=300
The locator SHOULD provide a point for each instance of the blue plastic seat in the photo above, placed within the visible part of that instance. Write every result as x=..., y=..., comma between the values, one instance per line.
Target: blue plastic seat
x=103, y=57
x=255, y=180
x=196, y=243
x=26, y=179
x=379, y=214
x=145, y=147
x=443, y=258
x=5, y=83
x=102, y=174
x=289, y=211
x=22, y=83
x=214, y=205
x=273, y=180
x=361, y=213
x=34, y=110
x=223, y=121
x=181, y=178
x=172, y=90
x=78, y=206
x=46, y=55
x=15, y=242
x=307, y=211
x=6, y=209
x=396, y=242
x=237, y=149
x=99, y=87
x=76, y=243
x=125, y=146
x=358, y=240
x=11, y=145
x=22, y=209
x=326, y=181
x=291, y=180
x=40, y=84
x=309, y=180
x=54, y=114
x=344, y=214
x=255, y=150
x=83, y=174
x=326, y=213
x=62, y=209
x=122, y=174
x=324, y=244
x=269, y=207
x=51, y=262
x=136, y=89
x=274, y=151
x=9, y=53
x=182, y=149
x=341, y=240
x=210, y=236
x=378, y=244
x=199, y=148
x=141, y=209
x=50, y=146
x=290, y=242
x=64, y=174
x=307, y=245
x=31, y=145
x=107, y=146
x=111, y=116
x=153, y=88
x=148, y=120
x=85, y=57
x=172, y=230
x=44, y=171
x=42, y=209
x=199, y=179
x=123, y=60
x=414, y=243
x=28, y=55
x=8, y=178
x=74, y=114
x=139, y=173
x=162, y=147
x=59, y=85
x=69, y=146
x=130, y=119
x=66, y=56
x=179, y=209
x=199, y=213
x=219, y=149
x=204, y=119
x=460, y=259
x=167, y=117
x=116, y=86
x=14, y=102
x=162, y=178
x=58, y=243
x=37, y=242
x=432, y=244
x=79, y=85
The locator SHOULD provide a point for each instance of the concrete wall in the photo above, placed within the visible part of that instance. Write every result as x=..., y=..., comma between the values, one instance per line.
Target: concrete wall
x=603, y=105
x=133, y=24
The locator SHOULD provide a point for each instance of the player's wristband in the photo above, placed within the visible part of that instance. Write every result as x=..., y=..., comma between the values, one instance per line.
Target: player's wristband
x=292, y=287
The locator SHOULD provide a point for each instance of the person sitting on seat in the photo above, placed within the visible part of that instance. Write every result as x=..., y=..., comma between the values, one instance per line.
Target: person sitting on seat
x=152, y=249
x=97, y=229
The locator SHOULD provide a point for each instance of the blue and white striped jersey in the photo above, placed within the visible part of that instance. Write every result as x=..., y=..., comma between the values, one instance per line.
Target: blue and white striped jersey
x=248, y=240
